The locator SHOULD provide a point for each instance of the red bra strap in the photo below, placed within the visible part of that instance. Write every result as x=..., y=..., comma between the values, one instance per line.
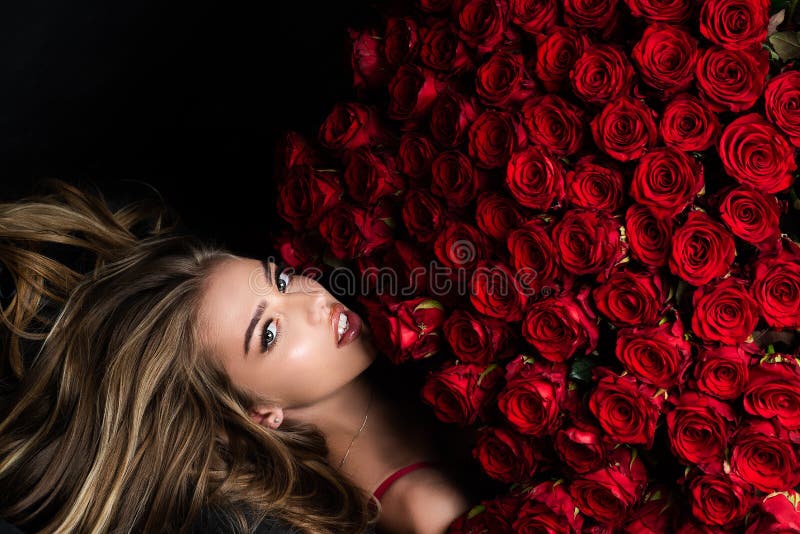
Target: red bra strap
x=397, y=474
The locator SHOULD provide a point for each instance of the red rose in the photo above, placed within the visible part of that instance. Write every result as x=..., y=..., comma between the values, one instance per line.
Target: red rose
x=782, y=104
x=460, y=246
x=654, y=515
x=666, y=180
x=352, y=231
x=435, y=6
x=349, y=126
x=580, y=446
x=535, y=178
x=720, y=500
x=702, y=249
x=493, y=137
x=657, y=355
x=629, y=298
x=477, y=339
x=687, y=124
x=593, y=183
x=548, y=509
x=402, y=41
x=497, y=513
x=532, y=397
x=773, y=391
x=423, y=215
x=755, y=154
x=306, y=195
x=735, y=24
x=496, y=292
x=588, y=241
x=724, y=312
x=670, y=11
x=367, y=59
x=602, y=74
x=298, y=251
x=556, y=53
x=614, y=395
x=412, y=90
x=461, y=393
x=455, y=180
x=722, y=372
x=592, y=15
x=648, y=235
x=414, y=156
x=776, y=288
x=404, y=261
x=531, y=248
x=442, y=50
x=293, y=150
x=497, y=215
x=666, y=56
x=371, y=175
x=506, y=455
x=751, y=215
x=763, y=456
x=482, y=23
x=560, y=326
x=731, y=80
x=451, y=116
x=775, y=513
x=625, y=129
x=699, y=427
x=503, y=81
x=608, y=494
x=534, y=16
x=407, y=330
x=554, y=123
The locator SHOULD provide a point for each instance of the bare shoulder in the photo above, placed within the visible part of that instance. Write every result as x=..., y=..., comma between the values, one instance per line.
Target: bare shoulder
x=432, y=501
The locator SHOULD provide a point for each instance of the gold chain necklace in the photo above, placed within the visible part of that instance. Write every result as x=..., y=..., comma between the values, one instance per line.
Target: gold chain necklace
x=371, y=391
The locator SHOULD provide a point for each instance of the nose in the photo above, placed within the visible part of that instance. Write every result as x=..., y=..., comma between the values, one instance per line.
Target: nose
x=311, y=300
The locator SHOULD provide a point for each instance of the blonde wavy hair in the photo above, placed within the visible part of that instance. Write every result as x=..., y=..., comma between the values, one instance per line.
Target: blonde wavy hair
x=115, y=414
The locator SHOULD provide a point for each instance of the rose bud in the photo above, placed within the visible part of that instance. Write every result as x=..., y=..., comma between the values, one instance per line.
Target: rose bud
x=755, y=154
x=625, y=129
x=782, y=104
x=657, y=355
x=502, y=80
x=554, y=123
x=669, y=11
x=556, y=54
x=548, y=509
x=602, y=74
x=649, y=236
x=723, y=371
x=593, y=183
x=533, y=394
x=666, y=57
x=561, y=326
x=702, y=249
x=731, y=80
x=735, y=24
x=687, y=124
x=699, y=427
x=461, y=393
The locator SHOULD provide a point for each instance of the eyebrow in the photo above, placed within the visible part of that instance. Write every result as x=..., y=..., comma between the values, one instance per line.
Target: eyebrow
x=258, y=313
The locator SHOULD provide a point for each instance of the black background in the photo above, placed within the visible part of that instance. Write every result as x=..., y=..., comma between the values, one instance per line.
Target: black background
x=188, y=97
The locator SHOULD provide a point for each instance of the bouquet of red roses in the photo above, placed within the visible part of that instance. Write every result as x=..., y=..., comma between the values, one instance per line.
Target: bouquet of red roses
x=580, y=216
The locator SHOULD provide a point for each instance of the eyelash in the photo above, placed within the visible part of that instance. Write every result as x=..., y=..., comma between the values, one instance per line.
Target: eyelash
x=279, y=268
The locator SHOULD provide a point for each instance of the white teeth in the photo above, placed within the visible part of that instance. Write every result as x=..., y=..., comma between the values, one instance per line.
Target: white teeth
x=342, y=325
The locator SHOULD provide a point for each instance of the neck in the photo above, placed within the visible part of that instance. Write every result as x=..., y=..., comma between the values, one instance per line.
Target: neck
x=389, y=440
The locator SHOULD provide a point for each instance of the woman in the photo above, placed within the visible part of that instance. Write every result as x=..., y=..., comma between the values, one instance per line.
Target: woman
x=152, y=382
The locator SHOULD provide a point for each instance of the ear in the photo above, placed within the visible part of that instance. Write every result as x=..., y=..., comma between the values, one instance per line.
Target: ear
x=269, y=416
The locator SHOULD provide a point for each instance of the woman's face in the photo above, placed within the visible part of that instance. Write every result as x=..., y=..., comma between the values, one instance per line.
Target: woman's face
x=277, y=339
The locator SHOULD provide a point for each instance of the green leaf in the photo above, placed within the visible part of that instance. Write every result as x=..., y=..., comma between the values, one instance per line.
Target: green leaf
x=479, y=509
x=427, y=304
x=786, y=44
x=581, y=369
x=488, y=370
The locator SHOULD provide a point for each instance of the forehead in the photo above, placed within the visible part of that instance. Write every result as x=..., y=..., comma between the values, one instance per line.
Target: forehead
x=232, y=292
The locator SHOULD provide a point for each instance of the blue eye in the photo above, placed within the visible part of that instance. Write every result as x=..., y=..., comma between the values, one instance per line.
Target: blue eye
x=269, y=337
